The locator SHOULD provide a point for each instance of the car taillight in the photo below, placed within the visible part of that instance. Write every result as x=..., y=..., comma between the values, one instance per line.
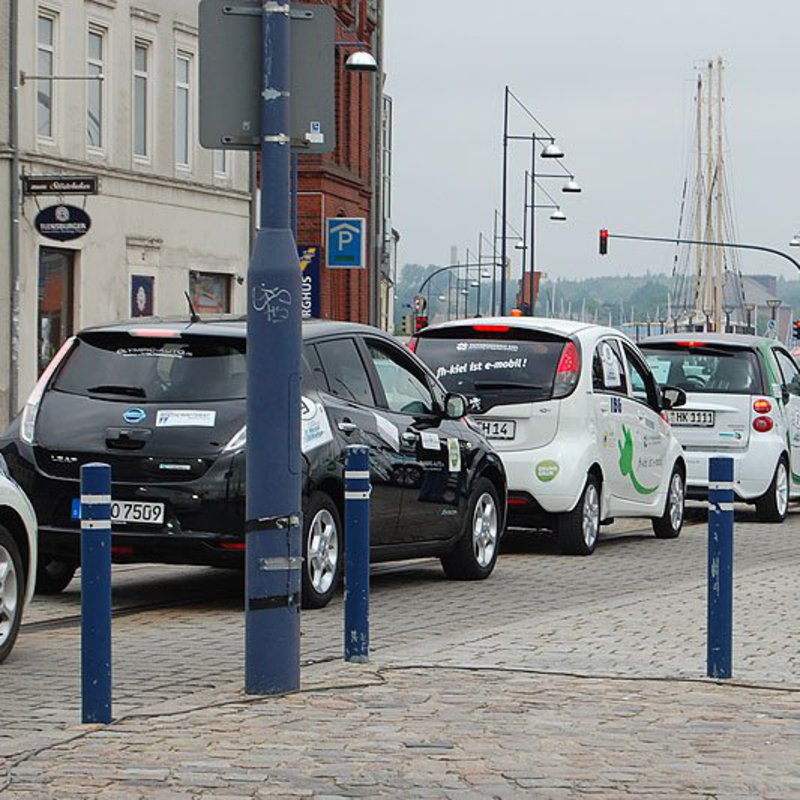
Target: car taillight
x=27, y=426
x=762, y=424
x=762, y=406
x=567, y=371
x=412, y=344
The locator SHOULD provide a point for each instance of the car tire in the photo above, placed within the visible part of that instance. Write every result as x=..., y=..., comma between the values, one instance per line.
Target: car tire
x=670, y=523
x=773, y=505
x=578, y=529
x=53, y=575
x=323, y=551
x=475, y=553
x=12, y=592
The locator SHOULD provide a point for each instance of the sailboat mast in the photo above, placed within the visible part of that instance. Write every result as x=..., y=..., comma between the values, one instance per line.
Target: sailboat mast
x=698, y=196
x=719, y=301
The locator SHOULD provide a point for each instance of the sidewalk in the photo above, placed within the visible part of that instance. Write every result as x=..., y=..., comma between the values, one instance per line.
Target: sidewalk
x=387, y=730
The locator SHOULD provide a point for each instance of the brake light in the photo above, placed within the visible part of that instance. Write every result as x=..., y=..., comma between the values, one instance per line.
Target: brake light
x=232, y=545
x=762, y=406
x=27, y=424
x=155, y=333
x=762, y=424
x=567, y=371
x=518, y=501
x=491, y=328
x=691, y=343
x=121, y=550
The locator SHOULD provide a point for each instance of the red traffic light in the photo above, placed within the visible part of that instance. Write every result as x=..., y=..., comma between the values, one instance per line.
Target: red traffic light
x=796, y=326
x=420, y=322
x=603, y=241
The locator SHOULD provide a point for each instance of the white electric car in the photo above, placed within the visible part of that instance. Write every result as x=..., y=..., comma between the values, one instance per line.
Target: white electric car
x=17, y=558
x=577, y=417
x=743, y=402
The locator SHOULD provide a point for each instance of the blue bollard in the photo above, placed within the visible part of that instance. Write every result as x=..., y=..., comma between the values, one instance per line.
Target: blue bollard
x=720, y=568
x=356, y=519
x=96, y=592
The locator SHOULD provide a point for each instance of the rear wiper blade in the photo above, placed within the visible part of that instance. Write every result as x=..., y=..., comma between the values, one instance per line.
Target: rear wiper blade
x=130, y=391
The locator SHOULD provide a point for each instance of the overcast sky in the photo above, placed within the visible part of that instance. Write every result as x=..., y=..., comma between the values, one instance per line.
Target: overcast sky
x=614, y=83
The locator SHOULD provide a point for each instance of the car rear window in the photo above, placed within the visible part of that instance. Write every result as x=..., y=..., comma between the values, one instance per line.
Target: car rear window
x=498, y=366
x=705, y=368
x=118, y=366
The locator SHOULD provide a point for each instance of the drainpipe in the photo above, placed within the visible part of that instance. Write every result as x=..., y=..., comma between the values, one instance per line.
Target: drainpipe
x=14, y=209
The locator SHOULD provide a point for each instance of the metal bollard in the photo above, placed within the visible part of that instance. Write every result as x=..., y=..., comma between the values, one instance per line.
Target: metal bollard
x=720, y=568
x=356, y=515
x=96, y=592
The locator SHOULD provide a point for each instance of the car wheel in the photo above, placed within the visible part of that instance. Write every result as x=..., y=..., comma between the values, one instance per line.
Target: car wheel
x=12, y=592
x=475, y=553
x=669, y=525
x=774, y=504
x=53, y=575
x=322, y=551
x=578, y=529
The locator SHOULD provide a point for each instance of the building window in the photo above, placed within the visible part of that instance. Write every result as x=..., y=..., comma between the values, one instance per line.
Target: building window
x=56, y=292
x=183, y=70
x=45, y=63
x=96, y=46
x=141, y=99
x=221, y=163
x=210, y=292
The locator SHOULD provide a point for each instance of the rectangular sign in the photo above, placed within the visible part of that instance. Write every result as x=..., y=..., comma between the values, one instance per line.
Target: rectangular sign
x=60, y=184
x=346, y=242
x=310, y=280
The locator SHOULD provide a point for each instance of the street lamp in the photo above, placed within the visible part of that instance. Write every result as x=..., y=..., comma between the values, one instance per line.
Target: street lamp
x=728, y=310
x=749, y=308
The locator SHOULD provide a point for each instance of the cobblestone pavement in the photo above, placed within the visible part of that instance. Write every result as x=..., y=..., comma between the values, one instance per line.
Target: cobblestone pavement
x=558, y=677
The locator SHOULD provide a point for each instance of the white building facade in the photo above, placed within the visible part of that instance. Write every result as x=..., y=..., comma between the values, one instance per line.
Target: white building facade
x=169, y=217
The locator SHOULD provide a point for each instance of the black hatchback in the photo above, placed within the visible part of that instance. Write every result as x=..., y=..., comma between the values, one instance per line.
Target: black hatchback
x=164, y=404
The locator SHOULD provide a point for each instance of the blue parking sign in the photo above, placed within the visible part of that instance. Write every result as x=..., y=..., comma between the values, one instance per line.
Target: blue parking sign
x=346, y=242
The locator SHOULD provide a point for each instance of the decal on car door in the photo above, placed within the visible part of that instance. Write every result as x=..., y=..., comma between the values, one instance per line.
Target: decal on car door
x=626, y=462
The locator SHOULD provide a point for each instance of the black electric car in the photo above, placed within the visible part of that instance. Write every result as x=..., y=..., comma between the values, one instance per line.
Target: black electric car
x=163, y=402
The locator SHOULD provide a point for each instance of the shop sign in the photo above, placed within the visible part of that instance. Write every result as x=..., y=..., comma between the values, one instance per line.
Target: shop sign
x=62, y=222
x=59, y=184
x=311, y=278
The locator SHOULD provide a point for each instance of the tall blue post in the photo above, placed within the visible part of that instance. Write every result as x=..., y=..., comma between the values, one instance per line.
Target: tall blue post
x=356, y=577
x=96, y=592
x=273, y=506
x=720, y=568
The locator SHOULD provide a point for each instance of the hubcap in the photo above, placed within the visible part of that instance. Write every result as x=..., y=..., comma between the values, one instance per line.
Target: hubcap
x=323, y=551
x=782, y=489
x=484, y=530
x=591, y=515
x=676, y=501
x=8, y=594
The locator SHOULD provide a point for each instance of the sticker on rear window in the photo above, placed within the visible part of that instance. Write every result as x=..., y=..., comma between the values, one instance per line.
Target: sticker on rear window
x=186, y=418
x=611, y=372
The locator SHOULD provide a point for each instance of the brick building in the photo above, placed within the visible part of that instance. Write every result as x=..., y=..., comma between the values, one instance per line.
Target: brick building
x=349, y=181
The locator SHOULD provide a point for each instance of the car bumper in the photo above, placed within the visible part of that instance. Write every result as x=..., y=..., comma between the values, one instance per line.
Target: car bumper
x=752, y=470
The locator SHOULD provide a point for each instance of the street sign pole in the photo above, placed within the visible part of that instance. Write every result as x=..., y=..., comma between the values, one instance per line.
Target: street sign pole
x=273, y=552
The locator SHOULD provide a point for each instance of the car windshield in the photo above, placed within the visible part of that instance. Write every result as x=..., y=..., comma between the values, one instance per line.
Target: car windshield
x=493, y=367
x=705, y=368
x=118, y=366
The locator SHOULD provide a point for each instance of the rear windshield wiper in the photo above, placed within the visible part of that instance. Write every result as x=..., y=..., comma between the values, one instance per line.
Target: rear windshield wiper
x=129, y=391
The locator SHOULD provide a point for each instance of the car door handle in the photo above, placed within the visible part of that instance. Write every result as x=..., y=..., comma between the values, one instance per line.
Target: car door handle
x=409, y=437
x=345, y=426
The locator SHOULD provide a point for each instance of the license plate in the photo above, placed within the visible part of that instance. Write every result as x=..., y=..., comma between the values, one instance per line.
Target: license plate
x=129, y=511
x=691, y=419
x=498, y=428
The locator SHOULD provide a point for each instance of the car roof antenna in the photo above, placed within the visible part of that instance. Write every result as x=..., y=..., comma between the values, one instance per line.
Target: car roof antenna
x=193, y=315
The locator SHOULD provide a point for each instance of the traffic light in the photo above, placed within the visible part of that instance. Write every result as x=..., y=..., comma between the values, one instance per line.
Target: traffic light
x=420, y=323
x=603, y=241
x=796, y=327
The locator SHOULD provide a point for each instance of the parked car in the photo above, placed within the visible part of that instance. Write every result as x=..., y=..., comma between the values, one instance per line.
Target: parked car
x=743, y=402
x=164, y=404
x=17, y=558
x=576, y=416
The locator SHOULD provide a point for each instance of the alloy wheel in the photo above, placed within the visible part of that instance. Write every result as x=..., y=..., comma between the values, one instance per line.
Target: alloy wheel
x=8, y=594
x=484, y=530
x=676, y=501
x=781, y=488
x=322, y=551
x=590, y=521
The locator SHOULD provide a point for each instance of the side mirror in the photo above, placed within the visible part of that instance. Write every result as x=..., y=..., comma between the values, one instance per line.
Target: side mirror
x=455, y=406
x=672, y=397
x=786, y=393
